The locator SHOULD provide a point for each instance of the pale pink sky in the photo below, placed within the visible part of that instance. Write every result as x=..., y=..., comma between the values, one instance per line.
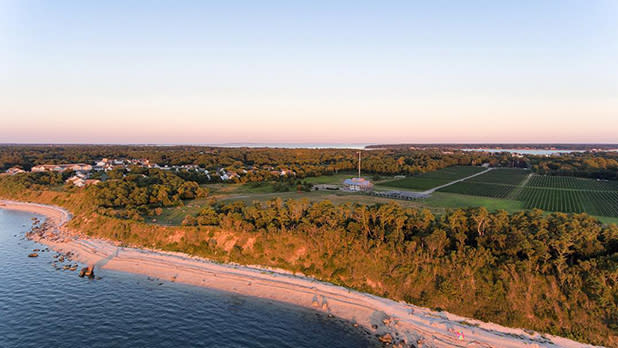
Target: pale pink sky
x=198, y=72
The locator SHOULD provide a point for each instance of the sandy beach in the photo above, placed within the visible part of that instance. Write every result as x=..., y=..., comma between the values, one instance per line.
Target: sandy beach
x=403, y=323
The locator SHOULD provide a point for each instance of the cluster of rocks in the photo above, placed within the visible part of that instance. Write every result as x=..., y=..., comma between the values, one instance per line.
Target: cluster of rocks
x=35, y=252
x=45, y=231
x=61, y=258
x=389, y=335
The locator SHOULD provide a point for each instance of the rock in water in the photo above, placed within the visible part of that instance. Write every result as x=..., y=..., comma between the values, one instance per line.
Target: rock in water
x=386, y=338
x=33, y=255
x=87, y=272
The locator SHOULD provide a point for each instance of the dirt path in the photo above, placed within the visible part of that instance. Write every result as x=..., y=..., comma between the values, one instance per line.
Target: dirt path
x=430, y=191
x=517, y=190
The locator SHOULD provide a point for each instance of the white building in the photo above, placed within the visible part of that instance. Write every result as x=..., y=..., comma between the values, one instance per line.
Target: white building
x=357, y=184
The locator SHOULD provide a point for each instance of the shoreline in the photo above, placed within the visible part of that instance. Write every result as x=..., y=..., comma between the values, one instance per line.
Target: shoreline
x=401, y=322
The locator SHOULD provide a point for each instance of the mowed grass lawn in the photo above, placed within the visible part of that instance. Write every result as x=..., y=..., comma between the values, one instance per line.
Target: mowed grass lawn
x=433, y=179
x=337, y=179
x=332, y=179
x=454, y=200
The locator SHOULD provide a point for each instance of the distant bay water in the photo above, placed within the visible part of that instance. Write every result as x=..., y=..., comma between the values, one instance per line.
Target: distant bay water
x=44, y=307
x=295, y=145
x=526, y=151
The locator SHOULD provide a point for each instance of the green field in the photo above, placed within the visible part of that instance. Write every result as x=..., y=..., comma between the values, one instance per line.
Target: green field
x=430, y=180
x=505, y=176
x=569, y=182
x=331, y=179
x=452, y=200
x=550, y=193
x=508, y=189
x=337, y=179
x=498, y=183
x=480, y=189
x=571, y=200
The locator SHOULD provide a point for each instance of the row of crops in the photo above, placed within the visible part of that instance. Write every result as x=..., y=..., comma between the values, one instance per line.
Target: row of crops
x=432, y=179
x=569, y=182
x=498, y=183
x=507, y=176
x=552, y=193
x=480, y=189
x=604, y=203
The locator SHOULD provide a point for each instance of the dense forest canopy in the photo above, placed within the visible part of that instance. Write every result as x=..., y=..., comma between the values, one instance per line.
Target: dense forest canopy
x=556, y=273
x=592, y=165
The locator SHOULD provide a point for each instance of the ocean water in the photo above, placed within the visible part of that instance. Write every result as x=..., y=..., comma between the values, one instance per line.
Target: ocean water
x=44, y=307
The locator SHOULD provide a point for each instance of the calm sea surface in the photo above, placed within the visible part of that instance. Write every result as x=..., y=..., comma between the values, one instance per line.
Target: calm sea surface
x=43, y=307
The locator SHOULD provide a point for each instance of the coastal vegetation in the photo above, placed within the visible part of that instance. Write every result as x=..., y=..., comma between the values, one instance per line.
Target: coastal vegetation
x=554, y=273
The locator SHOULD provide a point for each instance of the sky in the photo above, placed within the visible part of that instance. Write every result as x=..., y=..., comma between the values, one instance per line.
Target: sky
x=207, y=72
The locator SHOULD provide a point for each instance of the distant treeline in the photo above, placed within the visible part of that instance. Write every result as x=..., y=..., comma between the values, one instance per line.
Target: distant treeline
x=304, y=162
x=262, y=164
x=583, y=147
x=589, y=165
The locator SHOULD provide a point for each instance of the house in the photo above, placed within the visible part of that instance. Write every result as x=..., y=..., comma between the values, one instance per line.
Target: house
x=46, y=168
x=15, y=170
x=78, y=167
x=357, y=184
x=76, y=181
x=82, y=167
x=105, y=167
x=80, y=181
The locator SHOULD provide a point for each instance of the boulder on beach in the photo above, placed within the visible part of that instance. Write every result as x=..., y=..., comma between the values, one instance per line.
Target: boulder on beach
x=33, y=255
